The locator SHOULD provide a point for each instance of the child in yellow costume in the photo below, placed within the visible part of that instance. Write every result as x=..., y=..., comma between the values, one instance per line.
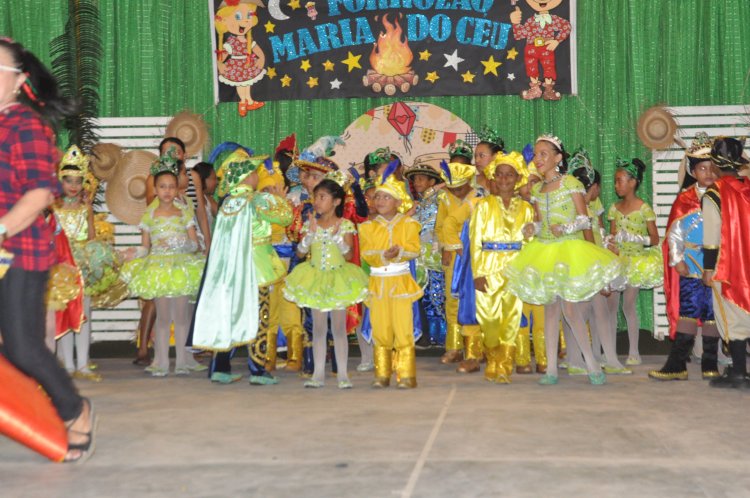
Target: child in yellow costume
x=387, y=244
x=461, y=342
x=282, y=313
x=496, y=237
x=532, y=323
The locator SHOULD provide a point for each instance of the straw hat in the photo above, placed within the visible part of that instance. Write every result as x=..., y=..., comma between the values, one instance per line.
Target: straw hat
x=126, y=191
x=428, y=165
x=191, y=129
x=656, y=128
x=103, y=159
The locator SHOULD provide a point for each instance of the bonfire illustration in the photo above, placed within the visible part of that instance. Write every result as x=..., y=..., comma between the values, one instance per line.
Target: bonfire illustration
x=391, y=61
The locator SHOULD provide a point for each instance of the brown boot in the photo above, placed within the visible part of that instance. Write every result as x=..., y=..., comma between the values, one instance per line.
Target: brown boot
x=470, y=365
x=525, y=369
x=549, y=92
x=452, y=356
x=534, y=91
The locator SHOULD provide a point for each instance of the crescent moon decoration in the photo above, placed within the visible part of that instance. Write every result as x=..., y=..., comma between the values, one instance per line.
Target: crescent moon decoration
x=275, y=10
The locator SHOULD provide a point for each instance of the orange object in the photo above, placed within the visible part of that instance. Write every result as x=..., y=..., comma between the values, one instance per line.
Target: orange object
x=27, y=414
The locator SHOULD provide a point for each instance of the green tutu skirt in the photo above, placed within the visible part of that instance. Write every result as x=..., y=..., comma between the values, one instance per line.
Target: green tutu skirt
x=574, y=270
x=99, y=264
x=326, y=290
x=644, y=270
x=164, y=275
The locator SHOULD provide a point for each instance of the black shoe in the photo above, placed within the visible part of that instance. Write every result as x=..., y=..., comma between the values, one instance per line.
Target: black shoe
x=734, y=377
x=676, y=366
x=709, y=360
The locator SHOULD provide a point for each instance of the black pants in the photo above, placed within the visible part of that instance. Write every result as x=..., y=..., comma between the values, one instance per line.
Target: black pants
x=22, y=324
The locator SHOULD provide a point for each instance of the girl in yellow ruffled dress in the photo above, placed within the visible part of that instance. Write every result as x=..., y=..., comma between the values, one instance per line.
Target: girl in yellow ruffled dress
x=171, y=272
x=634, y=237
x=561, y=268
x=327, y=284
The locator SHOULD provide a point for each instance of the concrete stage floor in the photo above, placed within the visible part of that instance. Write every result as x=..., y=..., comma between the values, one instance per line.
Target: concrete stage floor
x=454, y=436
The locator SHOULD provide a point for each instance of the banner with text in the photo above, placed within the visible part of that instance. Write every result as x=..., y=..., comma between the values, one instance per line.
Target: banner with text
x=325, y=49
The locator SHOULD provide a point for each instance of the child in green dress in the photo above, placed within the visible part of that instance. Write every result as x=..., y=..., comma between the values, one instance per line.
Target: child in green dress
x=327, y=284
x=633, y=236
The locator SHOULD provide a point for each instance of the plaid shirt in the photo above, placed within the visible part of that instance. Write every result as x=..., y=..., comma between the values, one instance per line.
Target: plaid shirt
x=28, y=161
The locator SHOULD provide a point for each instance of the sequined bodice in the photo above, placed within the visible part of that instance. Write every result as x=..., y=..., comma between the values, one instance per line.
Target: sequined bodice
x=169, y=234
x=324, y=253
x=74, y=221
x=556, y=207
x=634, y=222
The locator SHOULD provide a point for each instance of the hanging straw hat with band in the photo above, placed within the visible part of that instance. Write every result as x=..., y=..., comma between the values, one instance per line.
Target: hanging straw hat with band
x=126, y=191
x=656, y=128
x=191, y=129
x=103, y=159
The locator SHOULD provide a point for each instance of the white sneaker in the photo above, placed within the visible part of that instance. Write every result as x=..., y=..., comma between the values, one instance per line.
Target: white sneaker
x=366, y=367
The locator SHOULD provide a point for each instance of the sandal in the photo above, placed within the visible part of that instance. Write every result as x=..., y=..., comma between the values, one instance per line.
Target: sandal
x=86, y=449
x=142, y=361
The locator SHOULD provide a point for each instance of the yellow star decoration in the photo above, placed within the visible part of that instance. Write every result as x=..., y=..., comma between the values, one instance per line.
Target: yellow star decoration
x=328, y=65
x=432, y=77
x=294, y=5
x=468, y=77
x=269, y=27
x=425, y=55
x=352, y=61
x=286, y=81
x=512, y=53
x=271, y=73
x=305, y=65
x=491, y=65
x=312, y=82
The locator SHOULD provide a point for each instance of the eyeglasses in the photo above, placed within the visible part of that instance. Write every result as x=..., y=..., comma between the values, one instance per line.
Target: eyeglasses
x=9, y=68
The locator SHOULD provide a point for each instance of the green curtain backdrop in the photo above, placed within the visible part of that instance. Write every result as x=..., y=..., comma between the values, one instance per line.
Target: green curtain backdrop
x=631, y=54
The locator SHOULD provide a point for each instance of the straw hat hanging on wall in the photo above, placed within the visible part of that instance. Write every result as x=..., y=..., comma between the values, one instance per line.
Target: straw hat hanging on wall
x=191, y=129
x=103, y=159
x=126, y=190
x=656, y=128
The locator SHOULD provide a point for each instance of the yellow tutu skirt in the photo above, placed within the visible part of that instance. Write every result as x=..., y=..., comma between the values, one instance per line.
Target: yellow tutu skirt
x=574, y=270
x=645, y=269
x=164, y=275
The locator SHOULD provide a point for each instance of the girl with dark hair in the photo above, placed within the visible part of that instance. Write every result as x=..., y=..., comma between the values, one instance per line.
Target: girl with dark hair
x=171, y=271
x=30, y=107
x=633, y=236
x=487, y=150
x=603, y=331
x=327, y=284
x=561, y=268
x=208, y=183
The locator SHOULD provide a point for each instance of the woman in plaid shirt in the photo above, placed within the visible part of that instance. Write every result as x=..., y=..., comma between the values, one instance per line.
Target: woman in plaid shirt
x=30, y=107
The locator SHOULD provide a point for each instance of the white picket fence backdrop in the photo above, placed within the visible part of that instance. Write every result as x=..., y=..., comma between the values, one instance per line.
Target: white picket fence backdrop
x=730, y=120
x=143, y=133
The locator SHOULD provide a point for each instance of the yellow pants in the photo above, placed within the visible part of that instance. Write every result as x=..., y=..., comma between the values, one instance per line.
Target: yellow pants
x=454, y=331
x=393, y=328
x=534, y=314
x=288, y=316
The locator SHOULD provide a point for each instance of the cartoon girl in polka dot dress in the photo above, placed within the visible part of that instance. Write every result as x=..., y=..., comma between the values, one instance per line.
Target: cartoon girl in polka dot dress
x=240, y=60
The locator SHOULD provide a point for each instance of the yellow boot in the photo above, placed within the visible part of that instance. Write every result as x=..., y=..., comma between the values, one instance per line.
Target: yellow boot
x=540, y=350
x=505, y=354
x=490, y=370
x=406, y=368
x=294, y=351
x=453, y=345
x=382, y=356
x=472, y=354
x=523, y=352
x=271, y=350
